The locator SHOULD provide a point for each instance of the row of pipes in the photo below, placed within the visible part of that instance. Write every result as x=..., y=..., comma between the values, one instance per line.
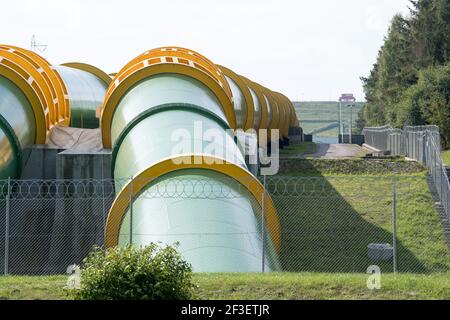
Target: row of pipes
x=139, y=110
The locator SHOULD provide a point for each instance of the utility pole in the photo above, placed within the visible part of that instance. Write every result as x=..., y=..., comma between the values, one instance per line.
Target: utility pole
x=340, y=123
x=351, y=124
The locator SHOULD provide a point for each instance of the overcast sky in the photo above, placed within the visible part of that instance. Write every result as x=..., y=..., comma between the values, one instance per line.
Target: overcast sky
x=307, y=49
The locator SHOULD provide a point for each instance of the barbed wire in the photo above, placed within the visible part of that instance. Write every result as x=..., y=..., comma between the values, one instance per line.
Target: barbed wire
x=326, y=223
x=196, y=188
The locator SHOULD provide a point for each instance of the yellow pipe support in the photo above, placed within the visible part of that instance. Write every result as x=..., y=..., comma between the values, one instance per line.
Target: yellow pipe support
x=274, y=124
x=285, y=123
x=262, y=102
x=34, y=78
x=91, y=69
x=281, y=113
x=294, y=119
x=287, y=113
x=151, y=64
x=293, y=122
x=198, y=60
x=171, y=164
x=40, y=114
x=249, y=122
x=38, y=79
x=56, y=84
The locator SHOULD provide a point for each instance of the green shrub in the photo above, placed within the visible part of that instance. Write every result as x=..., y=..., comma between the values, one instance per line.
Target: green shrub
x=427, y=102
x=135, y=273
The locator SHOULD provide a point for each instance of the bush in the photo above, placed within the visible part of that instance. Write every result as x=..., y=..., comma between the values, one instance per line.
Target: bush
x=135, y=273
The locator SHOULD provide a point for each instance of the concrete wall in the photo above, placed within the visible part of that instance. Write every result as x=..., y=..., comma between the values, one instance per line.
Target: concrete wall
x=72, y=164
x=39, y=163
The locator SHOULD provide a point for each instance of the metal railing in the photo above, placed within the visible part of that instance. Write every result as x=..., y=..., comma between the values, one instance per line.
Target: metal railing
x=421, y=143
x=327, y=224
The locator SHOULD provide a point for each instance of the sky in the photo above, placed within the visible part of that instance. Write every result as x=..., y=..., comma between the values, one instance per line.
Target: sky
x=306, y=49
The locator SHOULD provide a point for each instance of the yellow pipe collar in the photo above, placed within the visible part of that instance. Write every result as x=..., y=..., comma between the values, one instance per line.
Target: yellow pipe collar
x=56, y=84
x=171, y=164
x=110, y=103
x=262, y=102
x=286, y=112
x=274, y=124
x=40, y=84
x=249, y=121
x=163, y=60
x=199, y=61
x=293, y=122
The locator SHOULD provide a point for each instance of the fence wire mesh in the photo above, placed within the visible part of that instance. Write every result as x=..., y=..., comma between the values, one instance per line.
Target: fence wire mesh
x=320, y=224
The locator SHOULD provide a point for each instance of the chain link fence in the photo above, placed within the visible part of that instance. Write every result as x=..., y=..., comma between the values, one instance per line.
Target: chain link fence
x=325, y=224
x=421, y=143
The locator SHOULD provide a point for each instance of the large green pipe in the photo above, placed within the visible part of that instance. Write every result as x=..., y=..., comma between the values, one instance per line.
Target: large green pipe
x=86, y=93
x=35, y=97
x=224, y=230
x=159, y=117
x=210, y=215
x=17, y=128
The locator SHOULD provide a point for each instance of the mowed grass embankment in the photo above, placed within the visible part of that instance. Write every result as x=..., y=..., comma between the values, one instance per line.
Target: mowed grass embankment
x=272, y=286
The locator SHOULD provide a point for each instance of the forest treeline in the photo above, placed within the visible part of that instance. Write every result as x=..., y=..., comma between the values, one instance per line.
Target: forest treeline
x=410, y=81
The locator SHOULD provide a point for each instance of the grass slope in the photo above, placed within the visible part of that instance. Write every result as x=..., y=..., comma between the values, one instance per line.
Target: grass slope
x=328, y=222
x=264, y=286
x=292, y=166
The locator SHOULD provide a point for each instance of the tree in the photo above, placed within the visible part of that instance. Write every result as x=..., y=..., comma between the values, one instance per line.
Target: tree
x=414, y=48
x=428, y=101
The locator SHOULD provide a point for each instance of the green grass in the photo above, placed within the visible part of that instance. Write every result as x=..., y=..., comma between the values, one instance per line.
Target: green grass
x=32, y=287
x=303, y=148
x=302, y=286
x=330, y=210
x=445, y=156
x=327, y=221
x=298, y=286
x=355, y=166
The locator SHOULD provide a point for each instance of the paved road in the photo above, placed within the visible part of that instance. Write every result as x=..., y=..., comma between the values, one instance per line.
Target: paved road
x=324, y=150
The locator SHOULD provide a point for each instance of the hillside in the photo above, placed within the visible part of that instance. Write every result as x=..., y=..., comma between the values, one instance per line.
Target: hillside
x=321, y=117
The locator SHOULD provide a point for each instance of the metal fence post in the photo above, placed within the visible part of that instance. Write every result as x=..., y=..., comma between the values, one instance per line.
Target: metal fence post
x=394, y=223
x=263, y=224
x=104, y=215
x=7, y=223
x=131, y=210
